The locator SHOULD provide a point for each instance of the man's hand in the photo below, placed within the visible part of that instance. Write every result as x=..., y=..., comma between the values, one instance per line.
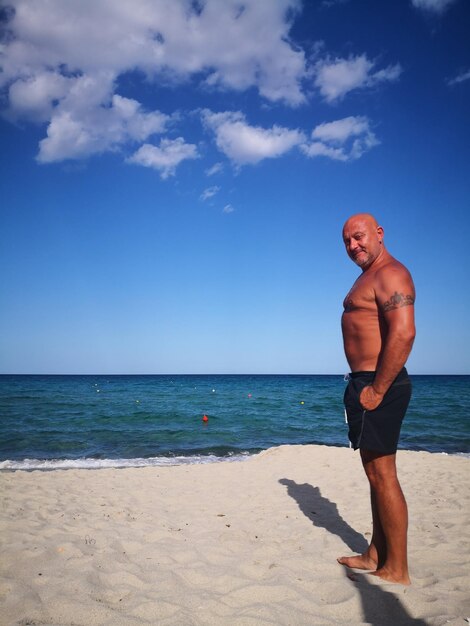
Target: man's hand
x=369, y=398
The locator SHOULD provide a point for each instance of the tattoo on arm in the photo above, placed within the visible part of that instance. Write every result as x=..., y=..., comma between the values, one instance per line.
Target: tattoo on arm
x=397, y=301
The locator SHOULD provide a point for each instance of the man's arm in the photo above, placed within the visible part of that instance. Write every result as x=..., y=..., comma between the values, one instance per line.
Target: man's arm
x=395, y=296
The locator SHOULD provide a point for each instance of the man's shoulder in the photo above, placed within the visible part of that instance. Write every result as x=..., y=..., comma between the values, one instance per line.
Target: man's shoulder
x=393, y=280
x=392, y=267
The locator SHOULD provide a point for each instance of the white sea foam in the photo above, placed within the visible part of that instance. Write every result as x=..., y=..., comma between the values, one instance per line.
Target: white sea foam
x=88, y=463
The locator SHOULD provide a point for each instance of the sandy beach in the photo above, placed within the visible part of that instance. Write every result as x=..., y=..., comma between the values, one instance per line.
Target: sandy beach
x=242, y=543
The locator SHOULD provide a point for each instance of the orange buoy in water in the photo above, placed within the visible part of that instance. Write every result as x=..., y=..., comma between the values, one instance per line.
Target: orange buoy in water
x=205, y=418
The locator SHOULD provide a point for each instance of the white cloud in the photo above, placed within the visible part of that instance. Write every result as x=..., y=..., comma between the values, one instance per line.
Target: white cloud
x=62, y=63
x=166, y=157
x=215, y=169
x=56, y=50
x=90, y=120
x=236, y=45
x=228, y=208
x=243, y=143
x=245, y=44
x=432, y=6
x=33, y=97
x=339, y=131
x=210, y=192
x=460, y=78
x=342, y=140
x=335, y=78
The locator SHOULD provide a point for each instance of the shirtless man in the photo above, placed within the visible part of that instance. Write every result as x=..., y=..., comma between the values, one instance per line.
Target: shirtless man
x=378, y=333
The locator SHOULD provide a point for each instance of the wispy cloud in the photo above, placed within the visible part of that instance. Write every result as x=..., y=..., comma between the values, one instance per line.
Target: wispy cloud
x=331, y=3
x=244, y=144
x=346, y=139
x=432, y=6
x=165, y=157
x=210, y=192
x=460, y=78
x=336, y=77
x=228, y=208
x=215, y=169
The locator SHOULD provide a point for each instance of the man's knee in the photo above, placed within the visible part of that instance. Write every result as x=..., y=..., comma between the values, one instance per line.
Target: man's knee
x=379, y=468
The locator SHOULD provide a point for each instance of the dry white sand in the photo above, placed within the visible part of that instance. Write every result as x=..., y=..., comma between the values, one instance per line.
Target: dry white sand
x=243, y=543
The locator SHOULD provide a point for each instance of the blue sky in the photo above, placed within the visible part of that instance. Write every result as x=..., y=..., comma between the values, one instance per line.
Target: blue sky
x=175, y=176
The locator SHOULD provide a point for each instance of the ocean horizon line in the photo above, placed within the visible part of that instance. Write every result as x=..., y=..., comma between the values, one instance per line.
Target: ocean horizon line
x=214, y=374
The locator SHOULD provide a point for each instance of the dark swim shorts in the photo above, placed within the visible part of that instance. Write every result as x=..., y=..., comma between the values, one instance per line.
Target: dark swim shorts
x=376, y=430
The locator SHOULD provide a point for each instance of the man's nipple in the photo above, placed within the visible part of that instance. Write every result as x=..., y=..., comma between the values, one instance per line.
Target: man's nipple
x=348, y=305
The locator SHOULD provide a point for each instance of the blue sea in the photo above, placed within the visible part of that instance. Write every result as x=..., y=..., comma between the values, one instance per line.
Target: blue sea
x=49, y=422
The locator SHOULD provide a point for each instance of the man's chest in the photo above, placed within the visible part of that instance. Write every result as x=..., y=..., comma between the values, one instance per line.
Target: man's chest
x=360, y=296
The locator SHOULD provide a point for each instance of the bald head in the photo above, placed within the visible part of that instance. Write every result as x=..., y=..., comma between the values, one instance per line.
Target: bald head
x=363, y=238
x=363, y=218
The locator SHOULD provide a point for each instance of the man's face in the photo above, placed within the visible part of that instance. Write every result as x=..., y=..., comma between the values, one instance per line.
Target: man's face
x=362, y=239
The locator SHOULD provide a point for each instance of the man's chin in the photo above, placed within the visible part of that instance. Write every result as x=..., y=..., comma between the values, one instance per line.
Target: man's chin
x=361, y=261
x=358, y=260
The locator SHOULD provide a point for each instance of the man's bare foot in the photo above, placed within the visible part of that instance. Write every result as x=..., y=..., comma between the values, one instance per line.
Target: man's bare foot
x=358, y=561
x=384, y=574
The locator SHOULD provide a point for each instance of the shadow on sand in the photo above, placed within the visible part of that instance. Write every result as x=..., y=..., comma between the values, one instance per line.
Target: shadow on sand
x=380, y=607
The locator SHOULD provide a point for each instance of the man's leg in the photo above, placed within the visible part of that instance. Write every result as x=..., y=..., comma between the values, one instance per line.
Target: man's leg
x=389, y=519
x=391, y=516
x=375, y=555
x=378, y=544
